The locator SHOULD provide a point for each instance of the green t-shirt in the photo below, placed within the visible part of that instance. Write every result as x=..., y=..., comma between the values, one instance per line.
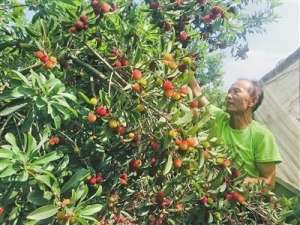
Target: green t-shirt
x=252, y=144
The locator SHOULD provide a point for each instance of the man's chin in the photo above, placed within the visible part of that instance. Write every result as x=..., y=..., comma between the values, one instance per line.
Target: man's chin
x=229, y=110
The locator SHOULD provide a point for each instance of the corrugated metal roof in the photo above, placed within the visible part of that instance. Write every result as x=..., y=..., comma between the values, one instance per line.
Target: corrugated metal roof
x=282, y=65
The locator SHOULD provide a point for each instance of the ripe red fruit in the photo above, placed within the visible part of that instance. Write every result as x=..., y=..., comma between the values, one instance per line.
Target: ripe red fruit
x=44, y=58
x=124, y=62
x=235, y=173
x=153, y=162
x=178, y=142
x=54, y=140
x=84, y=18
x=104, y=7
x=226, y=163
x=169, y=93
x=115, y=52
x=179, y=207
x=72, y=29
x=207, y=18
x=1, y=211
x=92, y=180
x=166, y=203
x=94, y=3
x=137, y=138
x=184, y=90
x=99, y=178
x=159, y=197
x=193, y=141
x=183, y=36
x=177, y=163
x=102, y=111
x=135, y=164
x=183, y=145
x=167, y=85
x=203, y=200
x=228, y=196
x=79, y=25
x=136, y=74
x=117, y=64
x=91, y=117
x=121, y=130
x=154, y=145
x=123, y=179
x=237, y=197
x=194, y=104
x=179, y=2
x=136, y=87
x=154, y=5
x=217, y=10
x=39, y=54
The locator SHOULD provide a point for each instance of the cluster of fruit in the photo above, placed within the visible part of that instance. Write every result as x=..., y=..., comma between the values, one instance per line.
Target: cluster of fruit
x=213, y=14
x=102, y=7
x=48, y=62
x=97, y=179
x=79, y=25
x=120, y=60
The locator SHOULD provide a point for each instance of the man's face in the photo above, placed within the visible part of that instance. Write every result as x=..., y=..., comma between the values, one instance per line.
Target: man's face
x=238, y=99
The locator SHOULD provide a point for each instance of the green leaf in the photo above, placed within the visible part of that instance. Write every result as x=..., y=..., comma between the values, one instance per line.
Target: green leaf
x=43, y=212
x=37, y=198
x=10, y=109
x=10, y=138
x=4, y=163
x=168, y=165
x=184, y=78
x=52, y=156
x=84, y=97
x=90, y=209
x=43, y=179
x=74, y=181
x=186, y=118
x=195, y=129
x=8, y=172
x=6, y=154
x=22, y=77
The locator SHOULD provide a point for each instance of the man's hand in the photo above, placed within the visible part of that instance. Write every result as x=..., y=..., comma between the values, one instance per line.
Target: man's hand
x=267, y=173
x=196, y=89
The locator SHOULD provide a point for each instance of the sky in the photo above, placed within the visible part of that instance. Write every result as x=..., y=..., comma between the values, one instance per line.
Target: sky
x=280, y=40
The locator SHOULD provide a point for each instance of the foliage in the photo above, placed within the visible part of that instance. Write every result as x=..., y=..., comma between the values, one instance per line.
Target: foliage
x=99, y=125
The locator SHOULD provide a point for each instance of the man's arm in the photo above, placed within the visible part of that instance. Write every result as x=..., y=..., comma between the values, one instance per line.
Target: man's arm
x=196, y=89
x=267, y=172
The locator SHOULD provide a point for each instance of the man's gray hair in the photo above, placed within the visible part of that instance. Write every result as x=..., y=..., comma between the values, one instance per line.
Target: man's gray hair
x=255, y=92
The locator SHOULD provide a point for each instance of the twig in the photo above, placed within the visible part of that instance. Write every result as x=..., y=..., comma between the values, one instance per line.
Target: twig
x=158, y=112
x=4, y=125
x=25, y=70
x=93, y=70
x=106, y=63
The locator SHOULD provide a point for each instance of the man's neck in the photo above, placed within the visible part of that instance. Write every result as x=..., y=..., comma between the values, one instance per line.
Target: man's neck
x=240, y=120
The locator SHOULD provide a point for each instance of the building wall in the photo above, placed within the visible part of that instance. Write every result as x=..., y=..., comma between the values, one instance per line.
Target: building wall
x=280, y=112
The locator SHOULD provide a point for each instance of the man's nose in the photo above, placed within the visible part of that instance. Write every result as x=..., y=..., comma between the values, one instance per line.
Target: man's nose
x=229, y=96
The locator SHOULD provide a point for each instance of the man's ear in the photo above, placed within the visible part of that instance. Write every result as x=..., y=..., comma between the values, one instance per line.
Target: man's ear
x=252, y=102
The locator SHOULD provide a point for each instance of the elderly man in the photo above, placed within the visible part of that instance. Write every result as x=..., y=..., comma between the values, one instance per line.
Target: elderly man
x=253, y=143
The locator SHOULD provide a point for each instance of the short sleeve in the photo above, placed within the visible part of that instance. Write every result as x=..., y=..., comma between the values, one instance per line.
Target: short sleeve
x=266, y=149
x=216, y=112
x=217, y=120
